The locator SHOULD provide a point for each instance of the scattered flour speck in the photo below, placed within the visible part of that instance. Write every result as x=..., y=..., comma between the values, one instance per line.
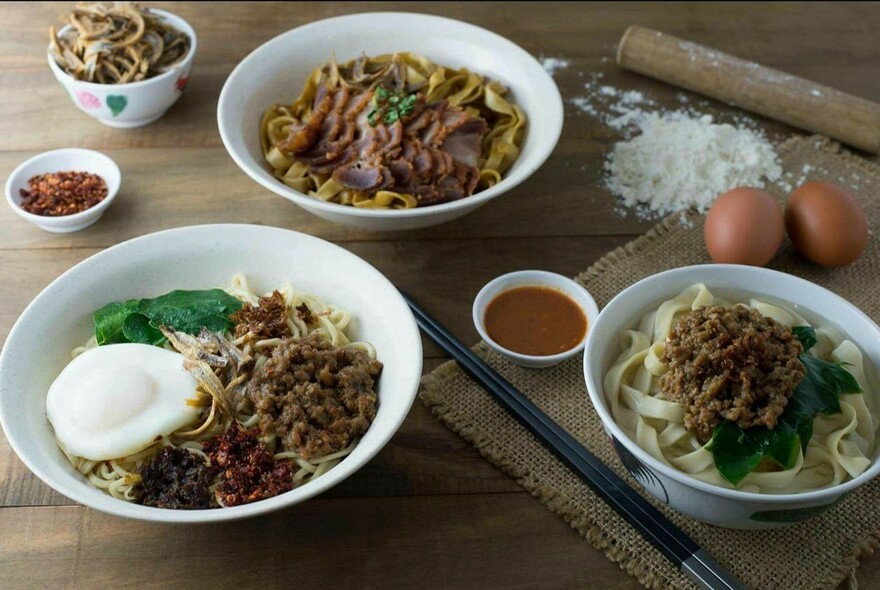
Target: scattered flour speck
x=552, y=64
x=583, y=105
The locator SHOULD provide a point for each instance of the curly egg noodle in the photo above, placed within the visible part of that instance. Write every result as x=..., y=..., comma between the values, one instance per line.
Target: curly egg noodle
x=462, y=88
x=119, y=477
x=838, y=450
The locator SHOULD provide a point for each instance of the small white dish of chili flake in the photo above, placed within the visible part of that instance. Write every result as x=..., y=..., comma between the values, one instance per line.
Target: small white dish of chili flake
x=64, y=190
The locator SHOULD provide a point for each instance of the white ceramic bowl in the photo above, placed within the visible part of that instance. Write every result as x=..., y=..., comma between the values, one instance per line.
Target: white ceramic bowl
x=137, y=103
x=199, y=257
x=276, y=71
x=75, y=159
x=703, y=501
x=541, y=278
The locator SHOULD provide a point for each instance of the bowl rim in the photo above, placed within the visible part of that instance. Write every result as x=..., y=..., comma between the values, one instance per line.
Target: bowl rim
x=597, y=398
x=169, y=16
x=555, y=107
x=61, y=220
x=117, y=507
x=533, y=278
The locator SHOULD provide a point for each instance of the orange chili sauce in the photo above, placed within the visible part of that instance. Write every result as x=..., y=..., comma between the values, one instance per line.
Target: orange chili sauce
x=534, y=320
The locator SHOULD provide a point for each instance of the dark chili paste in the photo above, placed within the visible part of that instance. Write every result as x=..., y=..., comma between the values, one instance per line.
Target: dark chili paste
x=175, y=478
x=305, y=314
x=730, y=363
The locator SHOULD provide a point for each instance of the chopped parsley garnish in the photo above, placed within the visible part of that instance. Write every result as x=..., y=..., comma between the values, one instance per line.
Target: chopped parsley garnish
x=390, y=107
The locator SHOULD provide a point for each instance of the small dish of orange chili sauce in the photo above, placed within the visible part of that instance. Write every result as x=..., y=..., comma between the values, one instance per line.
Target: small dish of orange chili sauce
x=534, y=318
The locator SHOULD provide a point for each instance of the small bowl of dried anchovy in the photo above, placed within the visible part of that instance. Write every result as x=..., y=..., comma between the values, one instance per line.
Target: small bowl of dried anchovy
x=65, y=190
x=123, y=64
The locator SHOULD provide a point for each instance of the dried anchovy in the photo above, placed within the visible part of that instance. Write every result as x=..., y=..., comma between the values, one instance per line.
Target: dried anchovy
x=63, y=193
x=117, y=44
x=219, y=366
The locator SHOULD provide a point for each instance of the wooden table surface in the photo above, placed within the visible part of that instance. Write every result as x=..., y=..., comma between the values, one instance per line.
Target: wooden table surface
x=428, y=511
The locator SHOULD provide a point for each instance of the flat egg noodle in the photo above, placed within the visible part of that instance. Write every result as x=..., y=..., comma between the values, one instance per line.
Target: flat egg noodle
x=840, y=448
x=500, y=146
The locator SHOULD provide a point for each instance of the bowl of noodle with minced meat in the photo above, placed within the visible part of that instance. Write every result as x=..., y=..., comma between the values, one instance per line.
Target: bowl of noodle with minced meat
x=741, y=396
x=400, y=121
x=208, y=373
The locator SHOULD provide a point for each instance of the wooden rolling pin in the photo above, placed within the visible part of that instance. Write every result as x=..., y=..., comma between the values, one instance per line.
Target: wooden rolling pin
x=752, y=87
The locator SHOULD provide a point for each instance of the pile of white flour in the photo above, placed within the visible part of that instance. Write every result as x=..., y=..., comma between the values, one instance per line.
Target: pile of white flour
x=671, y=161
x=680, y=160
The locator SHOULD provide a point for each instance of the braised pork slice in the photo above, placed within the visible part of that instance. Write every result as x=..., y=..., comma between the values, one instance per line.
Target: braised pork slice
x=371, y=133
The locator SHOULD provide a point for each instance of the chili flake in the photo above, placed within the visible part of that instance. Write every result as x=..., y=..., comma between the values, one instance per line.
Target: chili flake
x=248, y=471
x=63, y=193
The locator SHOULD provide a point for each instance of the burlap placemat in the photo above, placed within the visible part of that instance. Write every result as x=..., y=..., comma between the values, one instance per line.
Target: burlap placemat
x=818, y=554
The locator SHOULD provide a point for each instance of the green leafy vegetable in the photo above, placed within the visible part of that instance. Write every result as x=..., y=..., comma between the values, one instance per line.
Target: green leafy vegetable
x=738, y=451
x=138, y=320
x=390, y=107
x=137, y=328
x=806, y=335
x=110, y=319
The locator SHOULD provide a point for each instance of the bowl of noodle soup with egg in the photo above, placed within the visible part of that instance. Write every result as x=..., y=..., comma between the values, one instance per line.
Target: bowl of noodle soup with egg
x=740, y=396
x=208, y=373
x=389, y=121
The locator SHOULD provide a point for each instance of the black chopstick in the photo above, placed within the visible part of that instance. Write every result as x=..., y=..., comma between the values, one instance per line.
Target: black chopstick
x=673, y=543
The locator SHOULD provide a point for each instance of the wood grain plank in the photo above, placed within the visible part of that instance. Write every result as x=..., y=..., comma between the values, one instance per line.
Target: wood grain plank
x=429, y=509
x=34, y=96
x=27, y=87
x=775, y=28
x=423, y=458
x=488, y=541
x=165, y=188
x=444, y=277
x=46, y=118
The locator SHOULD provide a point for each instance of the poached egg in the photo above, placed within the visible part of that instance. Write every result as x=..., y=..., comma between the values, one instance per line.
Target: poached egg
x=115, y=400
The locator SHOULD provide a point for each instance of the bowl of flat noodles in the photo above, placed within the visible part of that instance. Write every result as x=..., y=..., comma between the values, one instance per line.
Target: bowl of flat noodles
x=389, y=121
x=741, y=396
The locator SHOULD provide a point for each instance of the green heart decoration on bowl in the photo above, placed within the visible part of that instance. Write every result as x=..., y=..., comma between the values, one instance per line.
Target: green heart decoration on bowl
x=116, y=103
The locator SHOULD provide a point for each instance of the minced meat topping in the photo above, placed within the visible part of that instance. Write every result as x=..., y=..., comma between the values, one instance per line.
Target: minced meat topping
x=314, y=396
x=730, y=363
x=248, y=471
x=175, y=478
x=267, y=319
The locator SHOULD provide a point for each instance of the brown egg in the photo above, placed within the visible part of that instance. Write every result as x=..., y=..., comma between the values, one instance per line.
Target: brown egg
x=744, y=226
x=826, y=224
